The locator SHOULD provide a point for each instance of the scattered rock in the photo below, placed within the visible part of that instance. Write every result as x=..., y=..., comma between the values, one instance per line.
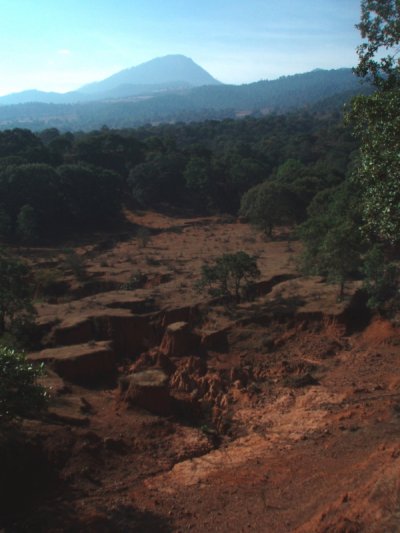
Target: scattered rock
x=179, y=340
x=301, y=381
x=74, y=330
x=216, y=341
x=124, y=300
x=131, y=333
x=179, y=314
x=114, y=445
x=148, y=390
x=164, y=363
x=86, y=407
x=52, y=381
x=144, y=362
x=83, y=363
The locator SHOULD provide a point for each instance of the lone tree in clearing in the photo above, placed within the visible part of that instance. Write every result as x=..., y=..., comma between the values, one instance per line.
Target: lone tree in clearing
x=230, y=275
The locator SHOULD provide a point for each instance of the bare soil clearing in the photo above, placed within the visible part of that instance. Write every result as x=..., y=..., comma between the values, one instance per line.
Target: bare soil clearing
x=283, y=414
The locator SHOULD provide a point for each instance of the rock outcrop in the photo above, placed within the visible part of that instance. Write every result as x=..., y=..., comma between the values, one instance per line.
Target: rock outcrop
x=216, y=341
x=179, y=340
x=148, y=390
x=83, y=363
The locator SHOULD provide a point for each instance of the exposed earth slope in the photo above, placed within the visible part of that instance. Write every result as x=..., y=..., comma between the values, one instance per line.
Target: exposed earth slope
x=172, y=413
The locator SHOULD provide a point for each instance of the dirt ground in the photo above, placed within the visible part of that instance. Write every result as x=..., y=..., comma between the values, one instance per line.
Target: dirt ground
x=285, y=413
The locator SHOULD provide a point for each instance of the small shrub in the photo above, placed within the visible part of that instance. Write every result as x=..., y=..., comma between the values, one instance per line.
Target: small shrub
x=49, y=283
x=143, y=235
x=15, y=293
x=136, y=281
x=151, y=261
x=176, y=229
x=76, y=264
x=20, y=395
x=382, y=281
x=27, y=226
x=23, y=333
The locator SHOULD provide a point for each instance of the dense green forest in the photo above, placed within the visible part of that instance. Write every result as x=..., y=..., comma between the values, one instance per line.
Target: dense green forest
x=52, y=183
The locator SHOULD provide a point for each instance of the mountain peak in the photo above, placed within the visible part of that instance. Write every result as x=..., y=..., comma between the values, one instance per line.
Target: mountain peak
x=172, y=69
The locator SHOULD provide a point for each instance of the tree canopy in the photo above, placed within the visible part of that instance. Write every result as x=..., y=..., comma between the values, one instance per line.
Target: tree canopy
x=379, y=55
x=354, y=228
x=376, y=120
x=53, y=183
x=230, y=275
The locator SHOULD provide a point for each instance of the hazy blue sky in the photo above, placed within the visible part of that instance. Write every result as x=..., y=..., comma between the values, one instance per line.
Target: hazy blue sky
x=58, y=45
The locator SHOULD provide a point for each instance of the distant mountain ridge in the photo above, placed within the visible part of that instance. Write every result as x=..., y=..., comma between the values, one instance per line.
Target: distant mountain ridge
x=162, y=74
x=134, y=105
x=167, y=70
x=33, y=95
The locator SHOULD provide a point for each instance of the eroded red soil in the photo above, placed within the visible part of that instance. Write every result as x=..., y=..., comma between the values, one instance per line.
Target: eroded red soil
x=284, y=415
